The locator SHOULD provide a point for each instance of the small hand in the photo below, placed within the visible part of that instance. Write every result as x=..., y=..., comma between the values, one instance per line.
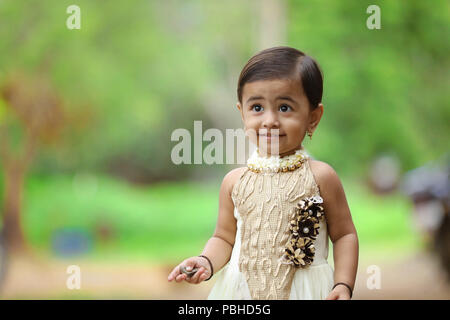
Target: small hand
x=184, y=271
x=341, y=292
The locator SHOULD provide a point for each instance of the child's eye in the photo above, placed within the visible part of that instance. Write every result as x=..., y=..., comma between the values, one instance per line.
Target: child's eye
x=257, y=108
x=285, y=108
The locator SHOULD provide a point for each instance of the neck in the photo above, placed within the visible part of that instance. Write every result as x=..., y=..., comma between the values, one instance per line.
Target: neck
x=284, y=162
x=284, y=154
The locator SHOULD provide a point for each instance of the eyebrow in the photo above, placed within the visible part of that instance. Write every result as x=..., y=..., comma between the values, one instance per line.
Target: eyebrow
x=278, y=98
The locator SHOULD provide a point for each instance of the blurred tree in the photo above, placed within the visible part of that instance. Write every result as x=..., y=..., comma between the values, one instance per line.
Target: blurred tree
x=30, y=117
x=150, y=67
x=384, y=90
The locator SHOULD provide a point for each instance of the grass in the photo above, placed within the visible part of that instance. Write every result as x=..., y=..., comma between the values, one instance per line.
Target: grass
x=167, y=222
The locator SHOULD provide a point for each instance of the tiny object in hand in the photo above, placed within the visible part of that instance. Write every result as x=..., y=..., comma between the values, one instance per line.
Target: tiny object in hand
x=188, y=273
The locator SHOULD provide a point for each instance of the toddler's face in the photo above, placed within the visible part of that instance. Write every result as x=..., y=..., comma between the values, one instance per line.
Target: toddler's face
x=278, y=114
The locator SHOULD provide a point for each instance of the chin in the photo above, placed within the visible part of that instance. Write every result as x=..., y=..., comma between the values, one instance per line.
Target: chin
x=273, y=149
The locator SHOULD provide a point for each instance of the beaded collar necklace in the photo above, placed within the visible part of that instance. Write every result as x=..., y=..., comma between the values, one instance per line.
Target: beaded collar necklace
x=257, y=163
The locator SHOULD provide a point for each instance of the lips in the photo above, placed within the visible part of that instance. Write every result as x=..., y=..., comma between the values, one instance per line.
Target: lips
x=272, y=135
x=268, y=135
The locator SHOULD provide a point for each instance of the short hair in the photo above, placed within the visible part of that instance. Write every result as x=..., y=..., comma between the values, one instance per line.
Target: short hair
x=281, y=63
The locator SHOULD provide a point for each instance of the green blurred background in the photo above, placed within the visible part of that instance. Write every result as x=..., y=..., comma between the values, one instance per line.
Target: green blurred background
x=86, y=118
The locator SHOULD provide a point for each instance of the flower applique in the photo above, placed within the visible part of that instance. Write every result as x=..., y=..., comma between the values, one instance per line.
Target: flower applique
x=304, y=228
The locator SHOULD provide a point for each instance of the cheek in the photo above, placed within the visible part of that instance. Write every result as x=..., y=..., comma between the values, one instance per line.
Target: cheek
x=293, y=126
x=251, y=121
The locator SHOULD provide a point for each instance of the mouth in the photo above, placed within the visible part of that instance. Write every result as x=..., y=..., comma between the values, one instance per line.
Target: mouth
x=271, y=136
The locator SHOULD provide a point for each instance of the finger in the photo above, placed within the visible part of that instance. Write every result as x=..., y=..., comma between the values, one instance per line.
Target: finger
x=195, y=280
x=204, y=276
x=196, y=276
x=180, y=277
x=190, y=264
x=175, y=272
x=331, y=296
x=190, y=276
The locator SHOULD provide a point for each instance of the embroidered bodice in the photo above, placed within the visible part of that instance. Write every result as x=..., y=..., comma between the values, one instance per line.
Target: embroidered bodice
x=268, y=202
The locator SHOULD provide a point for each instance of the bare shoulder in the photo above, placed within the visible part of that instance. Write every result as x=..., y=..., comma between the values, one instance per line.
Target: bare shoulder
x=325, y=176
x=338, y=215
x=232, y=177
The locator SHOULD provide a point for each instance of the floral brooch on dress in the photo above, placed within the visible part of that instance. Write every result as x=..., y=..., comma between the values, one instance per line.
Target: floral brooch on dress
x=304, y=228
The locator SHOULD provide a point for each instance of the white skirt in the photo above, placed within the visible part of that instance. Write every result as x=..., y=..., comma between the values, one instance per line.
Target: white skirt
x=312, y=283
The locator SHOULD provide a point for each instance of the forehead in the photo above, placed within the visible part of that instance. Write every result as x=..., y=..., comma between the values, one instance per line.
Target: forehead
x=272, y=88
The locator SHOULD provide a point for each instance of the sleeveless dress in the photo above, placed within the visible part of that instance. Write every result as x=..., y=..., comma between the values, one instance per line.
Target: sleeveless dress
x=264, y=206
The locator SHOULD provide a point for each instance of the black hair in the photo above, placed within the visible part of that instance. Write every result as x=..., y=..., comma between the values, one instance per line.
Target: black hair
x=284, y=62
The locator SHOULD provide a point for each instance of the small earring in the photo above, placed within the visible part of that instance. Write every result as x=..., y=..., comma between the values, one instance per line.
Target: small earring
x=309, y=134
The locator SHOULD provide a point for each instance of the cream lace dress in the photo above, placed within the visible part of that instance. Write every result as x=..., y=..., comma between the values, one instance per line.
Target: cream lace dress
x=264, y=202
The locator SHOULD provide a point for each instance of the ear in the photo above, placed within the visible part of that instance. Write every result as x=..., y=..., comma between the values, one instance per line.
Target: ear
x=239, y=106
x=315, y=117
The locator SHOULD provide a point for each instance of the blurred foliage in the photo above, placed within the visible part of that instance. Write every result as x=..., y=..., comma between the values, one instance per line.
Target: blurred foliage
x=384, y=90
x=135, y=72
x=170, y=221
x=126, y=75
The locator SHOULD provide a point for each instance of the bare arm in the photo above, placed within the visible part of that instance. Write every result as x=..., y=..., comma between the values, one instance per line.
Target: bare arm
x=219, y=247
x=340, y=227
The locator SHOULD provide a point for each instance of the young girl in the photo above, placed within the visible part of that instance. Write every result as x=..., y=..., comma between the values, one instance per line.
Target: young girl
x=275, y=214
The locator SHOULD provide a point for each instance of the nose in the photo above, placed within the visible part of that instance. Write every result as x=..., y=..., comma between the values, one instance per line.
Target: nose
x=270, y=120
